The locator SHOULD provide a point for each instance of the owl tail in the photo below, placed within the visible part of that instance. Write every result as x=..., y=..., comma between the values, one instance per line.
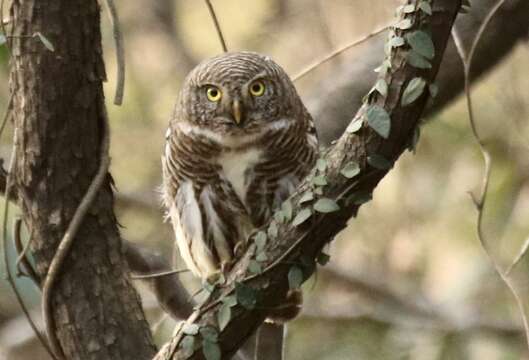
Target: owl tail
x=288, y=310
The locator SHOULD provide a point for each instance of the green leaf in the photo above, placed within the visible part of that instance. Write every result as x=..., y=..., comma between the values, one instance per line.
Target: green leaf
x=421, y=43
x=261, y=257
x=3, y=39
x=404, y=24
x=307, y=196
x=418, y=61
x=246, y=295
x=230, y=300
x=272, y=229
x=379, y=162
x=326, y=205
x=254, y=267
x=207, y=286
x=286, y=208
x=211, y=350
x=407, y=9
x=378, y=119
x=359, y=198
x=190, y=329
x=209, y=333
x=425, y=7
x=321, y=165
x=279, y=216
x=382, y=87
x=350, y=170
x=354, y=126
x=295, y=277
x=413, y=91
x=302, y=216
x=320, y=180
x=47, y=44
x=434, y=90
x=396, y=41
x=260, y=240
x=318, y=191
x=188, y=345
x=323, y=258
x=224, y=316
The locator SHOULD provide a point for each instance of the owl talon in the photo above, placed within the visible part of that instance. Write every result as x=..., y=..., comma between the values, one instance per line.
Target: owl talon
x=239, y=249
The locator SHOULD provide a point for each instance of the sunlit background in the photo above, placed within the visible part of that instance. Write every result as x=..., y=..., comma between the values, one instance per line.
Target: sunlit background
x=408, y=279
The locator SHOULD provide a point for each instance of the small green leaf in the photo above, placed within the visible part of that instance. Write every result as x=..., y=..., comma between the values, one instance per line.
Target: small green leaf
x=407, y=9
x=350, y=170
x=434, y=90
x=286, y=208
x=302, y=216
x=279, y=216
x=230, y=300
x=396, y=41
x=246, y=295
x=3, y=39
x=421, y=43
x=418, y=61
x=260, y=240
x=254, y=267
x=261, y=257
x=318, y=191
x=224, y=316
x=404, y=24
x=211, y=350
x=326, y=205
x=425, y=7
x=272, y=229
x=190, y=329
x=188, y=345
x=354, y=127
x=378, y=119
x=382, y=87
x=207, y=286
x=209, y=333
x=321, y=164
x=295, y=277
x=379, y=162
x=306, y=197
x=47, y=44
x=359, y=198
x=413, y=91
x=323, y=258
x=320, y=180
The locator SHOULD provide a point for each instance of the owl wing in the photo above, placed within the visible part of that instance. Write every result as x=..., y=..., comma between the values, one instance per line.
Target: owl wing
x=207, y=216
x=291, y=154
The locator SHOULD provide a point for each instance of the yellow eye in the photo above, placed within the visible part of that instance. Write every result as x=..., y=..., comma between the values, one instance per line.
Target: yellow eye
x=213, y=94
x=257, y=88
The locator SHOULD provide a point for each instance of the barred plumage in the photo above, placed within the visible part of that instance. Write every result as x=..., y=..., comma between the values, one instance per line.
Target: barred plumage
x=232, y=158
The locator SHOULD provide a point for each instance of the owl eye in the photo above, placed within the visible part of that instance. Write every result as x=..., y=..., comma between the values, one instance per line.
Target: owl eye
x=257, y=88
x=213, y=93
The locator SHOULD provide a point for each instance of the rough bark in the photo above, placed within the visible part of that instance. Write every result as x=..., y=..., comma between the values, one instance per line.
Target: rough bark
x=289, y=246
x=59, y=114
x=340, y=94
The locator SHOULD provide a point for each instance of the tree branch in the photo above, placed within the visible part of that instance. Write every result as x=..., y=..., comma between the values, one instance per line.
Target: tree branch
x=327, y=199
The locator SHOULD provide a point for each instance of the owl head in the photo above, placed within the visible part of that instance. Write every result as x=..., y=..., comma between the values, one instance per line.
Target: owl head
x=237, y=93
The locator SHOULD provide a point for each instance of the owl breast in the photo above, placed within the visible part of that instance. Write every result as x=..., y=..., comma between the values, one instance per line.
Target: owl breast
x=237, y=168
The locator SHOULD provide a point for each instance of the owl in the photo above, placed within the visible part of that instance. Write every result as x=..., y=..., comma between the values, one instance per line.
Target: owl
x=238, y=144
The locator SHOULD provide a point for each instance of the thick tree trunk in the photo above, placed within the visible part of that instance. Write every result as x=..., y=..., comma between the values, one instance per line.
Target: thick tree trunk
x=59, y=116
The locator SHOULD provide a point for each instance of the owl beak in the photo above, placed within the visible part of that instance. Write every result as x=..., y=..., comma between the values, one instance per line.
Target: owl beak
x=237, y=111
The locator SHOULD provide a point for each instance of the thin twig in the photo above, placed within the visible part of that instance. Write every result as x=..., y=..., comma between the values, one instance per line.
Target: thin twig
x=7, y=114
x=69, y=235
x=217, y=25
x=159, y=274
x=337, y=52
x=120, y=51
x=9, y=276
x=22, y=260
x=480, y=200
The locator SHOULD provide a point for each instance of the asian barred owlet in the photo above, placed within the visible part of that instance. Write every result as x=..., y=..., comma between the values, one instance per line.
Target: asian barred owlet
x=238, y=144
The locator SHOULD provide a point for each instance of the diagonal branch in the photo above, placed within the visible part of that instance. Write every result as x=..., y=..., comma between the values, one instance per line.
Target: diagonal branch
x=344, y=178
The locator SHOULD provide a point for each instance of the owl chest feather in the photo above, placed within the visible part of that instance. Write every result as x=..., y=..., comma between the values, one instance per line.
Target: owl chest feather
x=237, y=168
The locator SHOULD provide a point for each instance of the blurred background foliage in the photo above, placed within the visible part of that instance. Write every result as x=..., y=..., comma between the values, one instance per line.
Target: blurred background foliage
x=408, y=279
